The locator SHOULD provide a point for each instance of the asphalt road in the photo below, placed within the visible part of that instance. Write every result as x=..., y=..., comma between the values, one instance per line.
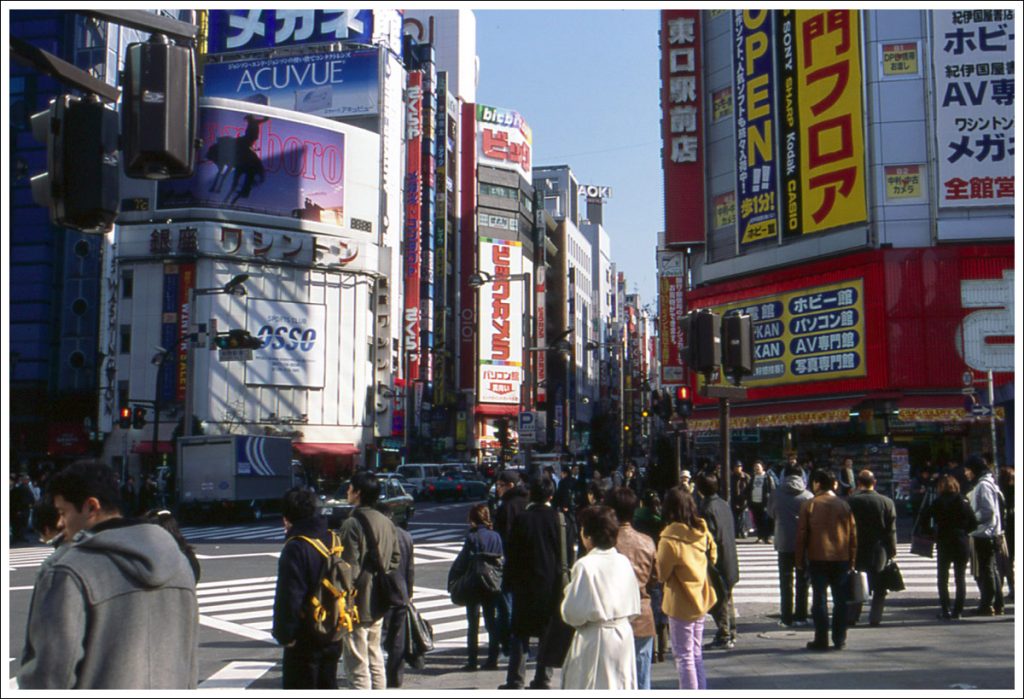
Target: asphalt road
x=911, y=650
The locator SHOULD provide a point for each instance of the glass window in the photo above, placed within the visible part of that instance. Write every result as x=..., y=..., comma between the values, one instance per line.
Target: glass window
x=126, y=339
x=498, y=191
x=127, y=283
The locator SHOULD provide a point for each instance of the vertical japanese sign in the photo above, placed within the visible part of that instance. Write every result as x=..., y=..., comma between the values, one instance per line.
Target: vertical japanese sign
x=506, y=140
x=724, y=210
x=828, y=84
x=973, y=56
x=441, y=235
x=186, y=282
x=670, y=311
x=169, y=312
x=428, y=182
x=501, y=323
x=466, y=299
x=413, y=207
x=682, y=102
x=755, y=125
x=899, y=59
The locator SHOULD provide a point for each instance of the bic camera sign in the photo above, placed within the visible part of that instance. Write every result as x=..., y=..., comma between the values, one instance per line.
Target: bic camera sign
x=996, y=322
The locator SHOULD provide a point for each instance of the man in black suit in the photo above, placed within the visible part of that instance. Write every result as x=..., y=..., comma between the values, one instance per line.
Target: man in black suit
x=719, y=516
x=875, y=518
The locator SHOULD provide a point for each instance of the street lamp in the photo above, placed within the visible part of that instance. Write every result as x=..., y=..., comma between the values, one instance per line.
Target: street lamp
x=234, y=288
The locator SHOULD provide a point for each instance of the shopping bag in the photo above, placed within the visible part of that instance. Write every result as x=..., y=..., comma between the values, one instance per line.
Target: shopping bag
x=859, y=593
x=892, y=577
x=923, y=545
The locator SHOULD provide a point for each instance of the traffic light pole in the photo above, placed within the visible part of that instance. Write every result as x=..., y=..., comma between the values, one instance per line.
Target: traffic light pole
x=723, y=429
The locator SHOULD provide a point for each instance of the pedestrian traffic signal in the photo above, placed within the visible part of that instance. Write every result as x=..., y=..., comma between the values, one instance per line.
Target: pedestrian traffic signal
x=684, y=404
x=159, y=110
x=80, y=186
x=139, y=417
x=125, y=418
x=702, y=337
x=237, y=339
x=737, y=346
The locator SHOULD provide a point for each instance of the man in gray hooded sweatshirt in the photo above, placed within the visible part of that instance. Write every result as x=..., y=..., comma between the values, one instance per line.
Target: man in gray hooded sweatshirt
x=114, y=607
x=784, y=507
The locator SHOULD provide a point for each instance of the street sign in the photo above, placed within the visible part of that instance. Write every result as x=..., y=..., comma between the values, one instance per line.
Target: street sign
x=234, y=355
x=527, y=427
x=979, y=410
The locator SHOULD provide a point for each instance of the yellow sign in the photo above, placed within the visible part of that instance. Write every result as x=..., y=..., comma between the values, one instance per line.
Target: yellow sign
x=814, y=334
x=725, y=210
x=831, y=119
x=903, y=182
x=899, y=59
x=721, y=103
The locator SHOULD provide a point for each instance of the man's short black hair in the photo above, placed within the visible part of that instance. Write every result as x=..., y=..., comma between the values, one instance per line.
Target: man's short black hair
x=299, y=504
x=707, y=484
x=823, y=478
x=600, y=524
x=624, y=501
x=366, y=484
x=541, y=488
x=508, y=476
x=87, y=479
x=793, y=470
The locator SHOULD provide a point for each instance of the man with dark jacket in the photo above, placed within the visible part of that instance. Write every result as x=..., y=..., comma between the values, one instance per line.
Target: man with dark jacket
x=397, y=618
x=826, y=546
x=115, y=606
x=719, y=518
x=308, y=663
x=364, y=661
x=740, y=498
x=511, y=501
x=875, y=517
x=539, y=542
x=784, y=507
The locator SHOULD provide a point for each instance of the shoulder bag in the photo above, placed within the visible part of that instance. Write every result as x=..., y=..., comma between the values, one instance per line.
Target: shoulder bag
x=892, y=577
x=715, y=578
x=386, y=589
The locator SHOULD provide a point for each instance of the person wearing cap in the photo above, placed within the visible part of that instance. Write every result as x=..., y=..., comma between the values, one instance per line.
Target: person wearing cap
x=685, y=482
x=984, y=500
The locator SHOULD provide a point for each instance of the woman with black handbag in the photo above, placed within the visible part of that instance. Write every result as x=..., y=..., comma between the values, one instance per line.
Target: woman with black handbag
x=954, y=520
x=475, y=580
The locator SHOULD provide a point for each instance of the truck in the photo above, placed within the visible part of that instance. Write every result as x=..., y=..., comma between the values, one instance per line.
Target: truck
x=232, y=475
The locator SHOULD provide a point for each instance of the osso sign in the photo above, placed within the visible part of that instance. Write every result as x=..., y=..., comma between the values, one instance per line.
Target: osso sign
x=293, y=343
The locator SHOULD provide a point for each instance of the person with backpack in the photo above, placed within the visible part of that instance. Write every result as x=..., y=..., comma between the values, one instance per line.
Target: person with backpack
x=371, y=548
x=310, y=661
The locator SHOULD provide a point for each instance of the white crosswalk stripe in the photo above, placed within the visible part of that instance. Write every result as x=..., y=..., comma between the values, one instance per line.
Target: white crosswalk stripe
x=29, y=557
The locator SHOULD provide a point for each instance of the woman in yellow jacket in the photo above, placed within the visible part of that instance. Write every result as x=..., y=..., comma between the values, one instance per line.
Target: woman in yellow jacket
x=684, y=550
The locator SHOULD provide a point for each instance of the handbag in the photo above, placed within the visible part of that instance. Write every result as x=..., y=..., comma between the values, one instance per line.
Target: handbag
x=859, y=593
x=386, y=589
x=891, y=577
x=922, y=545
x=419, y=637
x=715, y=578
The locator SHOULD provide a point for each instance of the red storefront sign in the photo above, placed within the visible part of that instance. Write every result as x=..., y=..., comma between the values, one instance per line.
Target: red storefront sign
x=413, y=207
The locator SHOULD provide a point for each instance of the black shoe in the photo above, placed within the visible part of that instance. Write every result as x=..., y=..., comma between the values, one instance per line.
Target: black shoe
x=468, y=667
x=510, y=685
x=945, y=616
x=721, y=644
x=998, y=611
x=534, y=685
x=838, y=646
x=490, y=665
x=983, y=611
x=814, y=645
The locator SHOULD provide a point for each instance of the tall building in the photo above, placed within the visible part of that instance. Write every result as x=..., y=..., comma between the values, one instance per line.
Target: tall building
x=846, y=178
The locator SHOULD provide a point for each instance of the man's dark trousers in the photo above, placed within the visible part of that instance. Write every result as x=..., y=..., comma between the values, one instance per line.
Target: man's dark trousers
x=787, y=569
x=834, y=575
x=309, y=667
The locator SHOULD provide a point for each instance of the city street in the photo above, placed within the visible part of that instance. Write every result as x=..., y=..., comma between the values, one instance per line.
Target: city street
x=911, y=650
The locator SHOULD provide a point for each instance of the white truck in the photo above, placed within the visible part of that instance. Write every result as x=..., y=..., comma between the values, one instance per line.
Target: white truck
x=232, y=475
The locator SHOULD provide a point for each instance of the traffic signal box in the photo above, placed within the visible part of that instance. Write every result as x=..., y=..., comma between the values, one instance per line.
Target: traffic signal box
x=124, y=419
x=237, y=339
x=684, y=404
x=139, y=417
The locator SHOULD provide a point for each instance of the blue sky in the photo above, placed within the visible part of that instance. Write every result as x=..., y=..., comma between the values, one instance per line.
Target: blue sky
x=587, y=83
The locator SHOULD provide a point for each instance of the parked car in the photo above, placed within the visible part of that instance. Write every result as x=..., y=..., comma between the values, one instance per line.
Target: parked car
x=457, y=485
x=420, y=475
x=393, y=499
x=408, y=485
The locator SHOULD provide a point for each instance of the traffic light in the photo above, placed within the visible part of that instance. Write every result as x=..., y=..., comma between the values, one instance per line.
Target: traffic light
x=737, y=347
x=139, y=417
x=666, y=405
x=237, y=339
x=125, y=418
x=645, y=413
x=159, y=110
x=81, y=185
x=702, y=333
x=684, y=404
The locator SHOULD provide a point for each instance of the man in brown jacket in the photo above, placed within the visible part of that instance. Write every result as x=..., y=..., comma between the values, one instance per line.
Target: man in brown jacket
x=826, y=546
x=639, y=549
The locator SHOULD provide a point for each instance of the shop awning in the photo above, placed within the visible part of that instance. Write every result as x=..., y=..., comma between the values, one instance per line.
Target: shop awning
x=776, y=414
x=162, y=447
x=938, y=408
x=325, y=448
x=496, y=410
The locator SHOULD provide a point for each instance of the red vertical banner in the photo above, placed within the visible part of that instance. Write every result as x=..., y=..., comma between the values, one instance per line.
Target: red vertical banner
x=540, y=357
x=186, y=282
x=413, y=209
x=682, y=102
x=467, y=252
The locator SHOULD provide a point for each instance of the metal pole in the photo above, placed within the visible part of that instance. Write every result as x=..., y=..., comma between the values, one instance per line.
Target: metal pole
x=723, y=429
x=407, y=423
x=156, y=404
x=190, y=363
x=525, y=391
x=679, y=458
x=992, y=423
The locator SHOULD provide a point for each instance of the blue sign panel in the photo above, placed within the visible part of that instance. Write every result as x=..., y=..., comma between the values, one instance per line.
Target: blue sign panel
x=249, y=30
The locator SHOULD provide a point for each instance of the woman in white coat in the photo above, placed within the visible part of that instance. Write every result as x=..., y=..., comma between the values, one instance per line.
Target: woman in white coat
x=599, y=602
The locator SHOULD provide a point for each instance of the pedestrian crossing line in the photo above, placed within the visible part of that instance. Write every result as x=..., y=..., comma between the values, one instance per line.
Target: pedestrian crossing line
x=28, y=558
x=216, y=609
x=237, y=675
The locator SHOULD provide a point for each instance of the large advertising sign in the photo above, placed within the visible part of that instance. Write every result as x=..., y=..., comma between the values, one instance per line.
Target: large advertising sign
x=413, y=214
x=671, y=308
x=682, y=102
x=812, y=334
x=293, y=348
x=500, y=329
x=973, y=57
x=756, y=159
x=268, y=161
x=823, y=55
x=186, y=282
x=328, y=85
x=248, y=30
x=465, y=301
x=505, y=140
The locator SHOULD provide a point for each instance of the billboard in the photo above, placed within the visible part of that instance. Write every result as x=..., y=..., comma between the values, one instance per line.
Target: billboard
x=250, y=30
x=269, y=161
x=682, y=117
x=413, y=213
x=342, y=84
x=293, y=348
x=671, y=308
x=973, y=58
x=504, y=140
x=756, y=151
x=500, y=329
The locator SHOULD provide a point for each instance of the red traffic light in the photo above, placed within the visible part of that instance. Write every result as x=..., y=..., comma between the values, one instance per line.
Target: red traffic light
x=125, y=418
x=683, y=393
